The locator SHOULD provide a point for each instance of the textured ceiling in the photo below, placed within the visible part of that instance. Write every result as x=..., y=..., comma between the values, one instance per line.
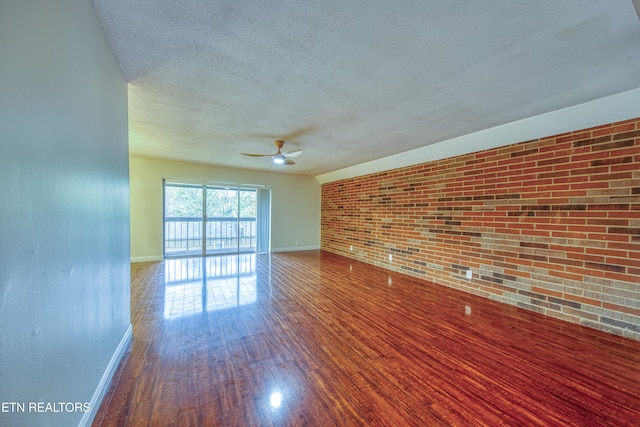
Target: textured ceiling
x=353, y=81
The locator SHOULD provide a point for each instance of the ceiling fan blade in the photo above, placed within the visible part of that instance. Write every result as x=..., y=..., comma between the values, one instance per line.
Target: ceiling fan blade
x=293, y=153
x=289, y=162
x=259, y=155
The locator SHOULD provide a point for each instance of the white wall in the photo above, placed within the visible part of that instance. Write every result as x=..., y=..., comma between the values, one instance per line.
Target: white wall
x=64, y=213
x=295, y=203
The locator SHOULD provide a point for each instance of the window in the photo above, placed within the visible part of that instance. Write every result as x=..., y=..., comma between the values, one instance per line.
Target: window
x=207, y=219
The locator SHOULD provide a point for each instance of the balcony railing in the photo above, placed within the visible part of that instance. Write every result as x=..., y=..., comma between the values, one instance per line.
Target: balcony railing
x=183, y=235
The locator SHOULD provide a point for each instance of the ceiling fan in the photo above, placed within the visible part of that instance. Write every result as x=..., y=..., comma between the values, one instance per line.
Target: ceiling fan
x=279, y=157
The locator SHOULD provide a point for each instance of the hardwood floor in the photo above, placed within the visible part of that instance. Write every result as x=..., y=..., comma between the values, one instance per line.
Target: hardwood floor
x=311, y=338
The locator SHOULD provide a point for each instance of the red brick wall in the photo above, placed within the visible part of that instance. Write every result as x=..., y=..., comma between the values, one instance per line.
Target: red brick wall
x=550, y=225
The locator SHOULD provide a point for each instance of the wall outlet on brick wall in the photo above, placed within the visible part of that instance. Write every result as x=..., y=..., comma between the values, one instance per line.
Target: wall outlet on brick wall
x=351, y=248
x=390, y=257
x=469, y=274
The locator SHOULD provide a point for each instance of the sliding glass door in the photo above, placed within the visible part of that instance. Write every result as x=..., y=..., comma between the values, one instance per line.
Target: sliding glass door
x=212, y=219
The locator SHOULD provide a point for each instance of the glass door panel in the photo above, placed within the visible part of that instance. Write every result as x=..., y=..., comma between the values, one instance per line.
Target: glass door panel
x=182, y=220
x=222, y=220
x=247, y=220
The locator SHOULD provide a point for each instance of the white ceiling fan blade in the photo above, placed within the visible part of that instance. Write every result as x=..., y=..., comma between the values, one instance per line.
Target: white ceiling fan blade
x=289, y=162
x=293, y=153
x=258, y=155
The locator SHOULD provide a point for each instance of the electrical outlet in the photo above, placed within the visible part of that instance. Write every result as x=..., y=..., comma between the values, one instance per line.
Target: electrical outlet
x=469, y=274
x=351, y=248
x=390, y=257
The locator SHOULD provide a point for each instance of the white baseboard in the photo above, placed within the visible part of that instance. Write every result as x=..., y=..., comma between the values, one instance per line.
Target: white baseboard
x=296, y=248
x=146, y=258
x=105, y=381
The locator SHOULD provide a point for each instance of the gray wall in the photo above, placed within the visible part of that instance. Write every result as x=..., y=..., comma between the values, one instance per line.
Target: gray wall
x=64, y=212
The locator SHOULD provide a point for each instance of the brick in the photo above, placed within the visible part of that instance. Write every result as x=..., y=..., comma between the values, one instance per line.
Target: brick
x=610, y=129
x=573, y=136
x=547, y=292
x=583, y=300
x=627, y=135
x=592, y=141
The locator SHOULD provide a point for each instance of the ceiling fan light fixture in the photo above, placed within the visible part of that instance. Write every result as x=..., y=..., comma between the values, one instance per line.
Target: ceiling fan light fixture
x=278, y=157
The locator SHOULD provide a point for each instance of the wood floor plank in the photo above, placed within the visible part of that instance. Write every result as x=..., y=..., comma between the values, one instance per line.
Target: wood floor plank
x=311, y=338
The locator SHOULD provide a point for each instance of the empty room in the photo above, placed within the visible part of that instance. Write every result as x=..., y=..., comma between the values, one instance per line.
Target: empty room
x=329, y=213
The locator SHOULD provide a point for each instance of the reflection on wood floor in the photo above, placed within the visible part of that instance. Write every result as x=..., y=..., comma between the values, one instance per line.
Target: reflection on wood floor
x=311, y=338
